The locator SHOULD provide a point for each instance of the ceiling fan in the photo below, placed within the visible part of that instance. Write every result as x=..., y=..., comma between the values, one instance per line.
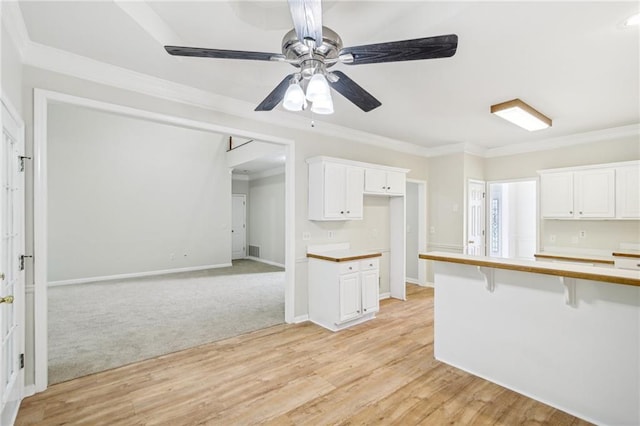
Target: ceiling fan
x=313, y=49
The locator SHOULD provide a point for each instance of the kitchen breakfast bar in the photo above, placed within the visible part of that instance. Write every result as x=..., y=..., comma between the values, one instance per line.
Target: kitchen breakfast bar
x=564, y=334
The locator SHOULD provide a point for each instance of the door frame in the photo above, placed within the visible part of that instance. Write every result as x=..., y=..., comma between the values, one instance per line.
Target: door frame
x=422, y=228
x=20, y=299
x=244, y=213
x=41, y=100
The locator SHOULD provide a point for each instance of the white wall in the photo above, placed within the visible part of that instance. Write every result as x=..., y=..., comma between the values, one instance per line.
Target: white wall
x=130, y=196
x=11, y=70
x=266, y=214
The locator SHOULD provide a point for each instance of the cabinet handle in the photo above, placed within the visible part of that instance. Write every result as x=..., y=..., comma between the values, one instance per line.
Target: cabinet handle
x=371, y=264
x=580, y=212
x=348, y=211
x=357, y=312
x=364, y=310
x=350, y=268
x=388, y=187
x=342, y=212
x=570, y=211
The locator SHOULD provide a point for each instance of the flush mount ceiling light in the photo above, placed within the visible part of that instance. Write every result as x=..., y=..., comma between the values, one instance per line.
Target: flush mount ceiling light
x=521, y=114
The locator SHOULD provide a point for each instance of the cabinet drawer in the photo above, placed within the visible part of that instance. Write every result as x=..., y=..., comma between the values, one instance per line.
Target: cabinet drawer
x=348, y=267
x=369, y=264
x=627, y=263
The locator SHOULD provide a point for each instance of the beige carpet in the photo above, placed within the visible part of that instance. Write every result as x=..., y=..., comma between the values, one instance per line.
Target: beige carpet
x=98, y=326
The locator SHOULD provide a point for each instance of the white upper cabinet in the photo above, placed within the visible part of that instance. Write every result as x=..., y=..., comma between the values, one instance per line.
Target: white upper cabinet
x=605, y=191
x=335, y=191
x=384, y=182
x=337, y=187
x=594, y=195
x=628, y=192
x=556, y=195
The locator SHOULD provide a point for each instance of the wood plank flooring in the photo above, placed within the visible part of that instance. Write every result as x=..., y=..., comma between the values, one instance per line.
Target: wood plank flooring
x=380, y=372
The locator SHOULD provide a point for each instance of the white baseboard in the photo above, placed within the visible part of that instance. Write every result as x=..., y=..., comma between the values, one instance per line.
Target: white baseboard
x=268, y=262
x=384, y=295
x=412, y=280
x=28, y=391
x=136, y=275
x=301, y=318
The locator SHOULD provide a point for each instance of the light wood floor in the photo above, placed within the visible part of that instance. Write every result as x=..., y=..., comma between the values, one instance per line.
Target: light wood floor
x=380, y=372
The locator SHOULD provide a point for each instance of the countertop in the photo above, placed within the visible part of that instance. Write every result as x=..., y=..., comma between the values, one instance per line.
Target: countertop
x=575, y=257
x=345, y=255
x=585, y=272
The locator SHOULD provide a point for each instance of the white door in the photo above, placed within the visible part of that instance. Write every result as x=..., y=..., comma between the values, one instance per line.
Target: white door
x=350, y=297
x=375, y=181
x=595, y=193
x=11, y=268
x=334, y=190
x=556, y=195
x=370, y=291
x=354, y=196
x=475, y=217
x=238, y=226
x=396, y=182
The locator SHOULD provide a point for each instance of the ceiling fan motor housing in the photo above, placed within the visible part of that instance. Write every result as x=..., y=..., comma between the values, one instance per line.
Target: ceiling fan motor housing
x=309, y=59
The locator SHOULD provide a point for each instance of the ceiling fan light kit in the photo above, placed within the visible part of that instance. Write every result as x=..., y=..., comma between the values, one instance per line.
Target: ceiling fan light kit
x=521, y=114
x=313, y=48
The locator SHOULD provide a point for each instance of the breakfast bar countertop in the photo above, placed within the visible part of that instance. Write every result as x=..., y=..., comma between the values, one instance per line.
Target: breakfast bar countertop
x=587, y=272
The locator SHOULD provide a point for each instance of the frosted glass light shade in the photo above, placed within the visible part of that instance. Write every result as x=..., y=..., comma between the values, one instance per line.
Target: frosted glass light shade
x=293, y=98
x=521, y=114
x=318, y=88
x=323, y=106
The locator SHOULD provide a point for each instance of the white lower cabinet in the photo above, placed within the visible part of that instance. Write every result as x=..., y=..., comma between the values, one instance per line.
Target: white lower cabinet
x=342, y=294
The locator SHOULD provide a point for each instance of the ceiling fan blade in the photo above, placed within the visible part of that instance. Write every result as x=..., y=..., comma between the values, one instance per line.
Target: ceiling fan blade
x=275, y=96
x=307, y=19
x=352, y=91
x=222, y=54
x=407, y=50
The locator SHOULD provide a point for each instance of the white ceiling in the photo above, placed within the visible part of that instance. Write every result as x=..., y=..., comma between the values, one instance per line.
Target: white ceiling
x=570, y=60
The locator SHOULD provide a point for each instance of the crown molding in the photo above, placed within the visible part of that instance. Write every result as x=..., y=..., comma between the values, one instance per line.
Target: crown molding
x=13, y=21
x=464, y=147
x=563, y=141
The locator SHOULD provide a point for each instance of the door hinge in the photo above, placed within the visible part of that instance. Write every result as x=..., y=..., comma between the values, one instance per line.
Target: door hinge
x=21, y=261
x=21, y=360
x=21, y=158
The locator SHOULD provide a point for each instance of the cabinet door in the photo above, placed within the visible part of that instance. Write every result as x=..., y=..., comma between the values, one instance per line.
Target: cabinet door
x=396, y=183
x=349, y=296
x=556, y=193
x=375, y=181
x=628, y=192
x=354, y=193
x=370, y=297
x=595, y=193
x=334, y=190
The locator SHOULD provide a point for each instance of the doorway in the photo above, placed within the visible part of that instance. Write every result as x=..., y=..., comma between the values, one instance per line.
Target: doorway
x=475, y=243
x=238, y=226
x=42, y=101
x=512, y=219
x=12, y=275
x=416, y=228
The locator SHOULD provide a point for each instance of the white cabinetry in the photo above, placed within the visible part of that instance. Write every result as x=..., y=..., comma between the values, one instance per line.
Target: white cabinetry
x=335, y=191
x=343, y=293
x=628, y=192
x=587, y=193
x=377, y=181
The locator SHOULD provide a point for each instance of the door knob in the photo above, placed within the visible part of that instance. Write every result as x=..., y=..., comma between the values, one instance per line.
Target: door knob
x=7, y=299
x=470, y=241
x=1, y=276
